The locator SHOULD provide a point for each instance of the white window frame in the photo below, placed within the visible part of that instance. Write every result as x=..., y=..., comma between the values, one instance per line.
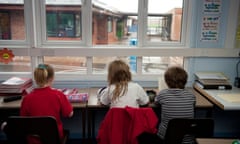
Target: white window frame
x=35, y=47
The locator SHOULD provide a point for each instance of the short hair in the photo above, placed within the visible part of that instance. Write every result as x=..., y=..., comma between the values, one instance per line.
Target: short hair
x=42, y=74
x=176, y=77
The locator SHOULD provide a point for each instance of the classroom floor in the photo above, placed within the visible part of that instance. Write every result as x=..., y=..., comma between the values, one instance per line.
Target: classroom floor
x=70, y=141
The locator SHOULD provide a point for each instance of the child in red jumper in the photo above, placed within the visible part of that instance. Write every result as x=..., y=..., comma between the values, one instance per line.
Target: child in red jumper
x=46, y=101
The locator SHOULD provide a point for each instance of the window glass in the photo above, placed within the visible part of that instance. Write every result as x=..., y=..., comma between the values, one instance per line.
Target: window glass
x=67, y=64
x=12, y=25
x=114, y=21
x=19, y=64
x=100, y=64
x=164, y=20
x=158, y=65
x=63, y=20
x=109, y=24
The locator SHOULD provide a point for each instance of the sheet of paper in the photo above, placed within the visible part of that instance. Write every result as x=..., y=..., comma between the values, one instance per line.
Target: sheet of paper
x=232, y=97
x=14, y=81
x=210, y=75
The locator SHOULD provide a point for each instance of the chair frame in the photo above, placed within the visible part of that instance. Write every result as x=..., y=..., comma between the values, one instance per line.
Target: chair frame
x=18, y=128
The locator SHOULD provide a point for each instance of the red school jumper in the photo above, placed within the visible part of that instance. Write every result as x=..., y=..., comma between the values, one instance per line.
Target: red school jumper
x=47, y=102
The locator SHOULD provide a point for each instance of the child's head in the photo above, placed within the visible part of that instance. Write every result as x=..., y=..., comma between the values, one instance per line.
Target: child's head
x=175, y=77
x=119, y=71
x=43, y=74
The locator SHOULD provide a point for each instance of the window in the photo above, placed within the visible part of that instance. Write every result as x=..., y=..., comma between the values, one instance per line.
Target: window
x=67, y=64
x=63, y=25
x=80, y=37
x=19, y=64
x=109, y=24
x=164, y=22
x=115, y=22
x=12, y=25
x=158, y=65
x=63, y=21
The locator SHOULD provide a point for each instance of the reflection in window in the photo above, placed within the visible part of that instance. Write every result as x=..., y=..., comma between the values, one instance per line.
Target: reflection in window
x=67, y=64
x=63, y=20
x=100, y=64
x=123, y=25
x=19, y=64
x=164, y=20
x=158, y=65
x=109, y=24
x=12, y=26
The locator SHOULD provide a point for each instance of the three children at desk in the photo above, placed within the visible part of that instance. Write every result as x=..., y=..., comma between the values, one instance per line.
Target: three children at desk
x=176, y=102
x=120, y=92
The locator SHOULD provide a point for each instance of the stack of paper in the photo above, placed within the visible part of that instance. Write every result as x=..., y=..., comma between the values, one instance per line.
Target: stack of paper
x=16, y=86
x=212, y=80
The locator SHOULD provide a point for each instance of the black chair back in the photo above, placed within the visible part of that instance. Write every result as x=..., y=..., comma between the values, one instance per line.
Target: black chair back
x=179, y=127
x=18, y=128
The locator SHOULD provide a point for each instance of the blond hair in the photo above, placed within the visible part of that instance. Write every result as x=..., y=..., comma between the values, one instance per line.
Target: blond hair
x=42, y=74
x=119, y=75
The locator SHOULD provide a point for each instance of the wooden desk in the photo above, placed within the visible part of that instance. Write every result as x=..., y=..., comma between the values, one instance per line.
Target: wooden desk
x=15, y=106
x=214, y=141
x=215, y=96
x=94, y=105
x=201, y=102
x=88, y=109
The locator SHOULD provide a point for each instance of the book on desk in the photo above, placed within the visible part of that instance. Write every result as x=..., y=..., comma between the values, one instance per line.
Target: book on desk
x=212, y=80
x=16, y=85
x=74, y=96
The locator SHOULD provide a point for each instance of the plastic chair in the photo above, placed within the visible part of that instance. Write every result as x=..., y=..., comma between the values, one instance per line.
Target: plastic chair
x=45, y=128
x=179, y=127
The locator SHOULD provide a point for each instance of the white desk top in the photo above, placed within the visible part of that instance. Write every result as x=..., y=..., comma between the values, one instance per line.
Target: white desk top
x=225, y=99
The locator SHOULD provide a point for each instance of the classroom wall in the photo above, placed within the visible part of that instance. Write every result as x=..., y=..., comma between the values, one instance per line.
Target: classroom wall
x=226, y=122
x=227, y=27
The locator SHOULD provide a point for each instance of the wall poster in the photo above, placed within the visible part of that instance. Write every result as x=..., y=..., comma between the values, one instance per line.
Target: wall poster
x=210, y=28
x=212, y=6
x=210, y=20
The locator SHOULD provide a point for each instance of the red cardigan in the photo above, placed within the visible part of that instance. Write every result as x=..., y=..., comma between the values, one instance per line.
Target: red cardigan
x=123, y=125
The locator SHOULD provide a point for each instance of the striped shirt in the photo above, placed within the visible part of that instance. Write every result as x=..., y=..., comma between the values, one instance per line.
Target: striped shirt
x=175, y=103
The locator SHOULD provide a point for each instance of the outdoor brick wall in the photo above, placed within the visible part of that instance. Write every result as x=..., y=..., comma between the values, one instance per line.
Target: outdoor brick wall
x=17, y=25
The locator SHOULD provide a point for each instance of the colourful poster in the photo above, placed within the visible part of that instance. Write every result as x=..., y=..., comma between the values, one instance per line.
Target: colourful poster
x=212, y=7
x=210, y=28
